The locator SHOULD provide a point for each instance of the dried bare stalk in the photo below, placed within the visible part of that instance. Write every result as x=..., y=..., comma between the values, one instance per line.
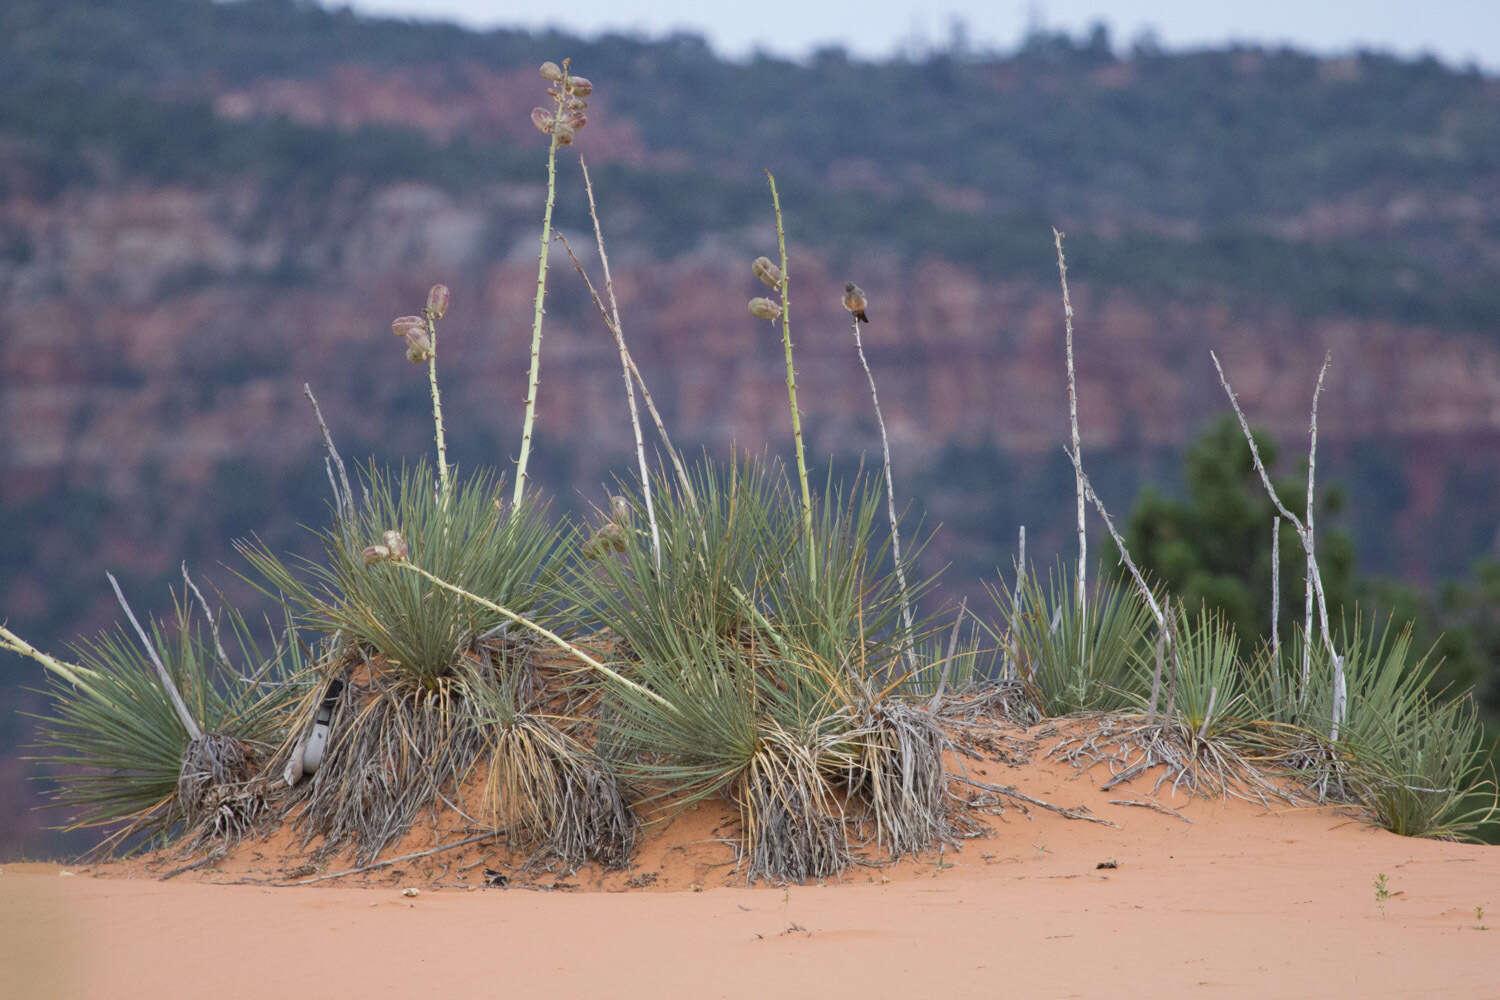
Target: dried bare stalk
x=1312, y=464
x=661, y=427
x=890, y=507
x=1172, y=667
x=1314, y=577
x=1012, y=649
x=1135, y=573
x=1208, y=713
x=343, y=497
x=213, y=623
x=937, y=695
x=1161, y=650
x=618, y=331
x=1166, y=636
x=1275, y=588
x=1062, y=273
x=166, y=679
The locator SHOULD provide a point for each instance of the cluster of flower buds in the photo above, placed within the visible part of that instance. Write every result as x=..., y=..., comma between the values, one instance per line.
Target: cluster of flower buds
x=417, y=329
x=392, y=548
x=418, y=343
x=568, y=93
x=770, y=276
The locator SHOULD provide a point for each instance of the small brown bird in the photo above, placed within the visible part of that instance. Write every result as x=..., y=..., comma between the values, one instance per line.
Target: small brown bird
x=855, y=302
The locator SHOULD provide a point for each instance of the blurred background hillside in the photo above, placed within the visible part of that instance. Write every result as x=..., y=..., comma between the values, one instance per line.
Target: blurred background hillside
x=205, y=205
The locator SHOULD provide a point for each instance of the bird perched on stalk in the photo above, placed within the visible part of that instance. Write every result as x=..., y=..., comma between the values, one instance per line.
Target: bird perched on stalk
x=611, y=535
x=855, y=302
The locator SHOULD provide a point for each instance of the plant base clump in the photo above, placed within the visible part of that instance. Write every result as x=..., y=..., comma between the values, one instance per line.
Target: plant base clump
x=792, y=824
x=216, y=788
x=983, y=702
x=898, y=772
x=550, y=792
x=392, y=750
x=1132, y=745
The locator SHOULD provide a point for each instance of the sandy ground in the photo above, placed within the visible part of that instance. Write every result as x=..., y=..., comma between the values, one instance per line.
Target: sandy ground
x=1228, y=898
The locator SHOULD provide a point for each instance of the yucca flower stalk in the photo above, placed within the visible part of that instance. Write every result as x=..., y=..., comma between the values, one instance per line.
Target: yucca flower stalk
x=421, y=345
x=562, y=123
x=785, y=314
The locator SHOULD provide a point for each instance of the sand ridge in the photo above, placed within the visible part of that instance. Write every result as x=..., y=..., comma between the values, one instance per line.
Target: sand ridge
x=1217, y=894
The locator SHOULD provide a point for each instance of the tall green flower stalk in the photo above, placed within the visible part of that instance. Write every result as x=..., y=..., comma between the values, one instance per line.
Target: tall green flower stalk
x=437, y=305
x=791, y=379
x=421, y=345
x=562, y=123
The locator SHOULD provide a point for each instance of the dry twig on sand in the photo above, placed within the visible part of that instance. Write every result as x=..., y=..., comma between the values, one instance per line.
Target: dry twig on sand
x=1010, y=791
x=1157, y=806
x=391, y=861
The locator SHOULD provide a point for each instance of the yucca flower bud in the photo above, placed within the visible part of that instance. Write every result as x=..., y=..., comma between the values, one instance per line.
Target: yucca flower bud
x=767, y=272
x=409, y=326
x=575, y=103
x=551, y=71
x=542, y=119
x=579, y=86
x=375, y=553
x=577, y=120
x=563, y=133
x=437, y=301
x=765, y=309
x=418, y=350
x=396, y=544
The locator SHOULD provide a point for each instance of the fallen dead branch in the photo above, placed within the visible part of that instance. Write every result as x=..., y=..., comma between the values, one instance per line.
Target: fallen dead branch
x=390, y=861
x=1010, y=791
x=1157, y=806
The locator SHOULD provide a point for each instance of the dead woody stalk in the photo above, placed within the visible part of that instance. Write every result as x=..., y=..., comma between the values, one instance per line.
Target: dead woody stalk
x=1304, y=530
x=1062, y=274
x=625, y=366
x=890, y=489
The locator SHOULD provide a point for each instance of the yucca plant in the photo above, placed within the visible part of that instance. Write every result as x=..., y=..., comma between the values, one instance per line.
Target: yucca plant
x=1423, y=776
x=845, y=606
x=473, y=540
x=1208, y=689
x=720, y=734
x=399, y=726
x=1197, y=726
x=123, y=751
x=1409, y=755
x=719, y=543
x=1072, y=662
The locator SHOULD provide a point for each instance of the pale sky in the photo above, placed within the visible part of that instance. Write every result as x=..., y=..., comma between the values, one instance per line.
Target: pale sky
x=1457, y=31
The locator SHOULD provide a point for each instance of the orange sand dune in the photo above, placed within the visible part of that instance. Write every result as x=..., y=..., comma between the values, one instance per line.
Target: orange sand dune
x=1244, y=900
